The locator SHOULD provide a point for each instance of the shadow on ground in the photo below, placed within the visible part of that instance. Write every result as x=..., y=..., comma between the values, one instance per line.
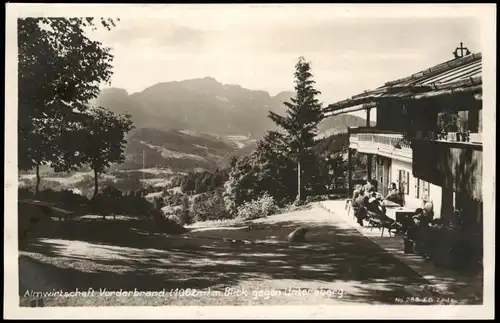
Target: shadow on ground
x=118, y=256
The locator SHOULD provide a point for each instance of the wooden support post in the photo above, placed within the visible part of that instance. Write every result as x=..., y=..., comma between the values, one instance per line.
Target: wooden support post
x=368, y=123
x=349, y=173
x=369, y=166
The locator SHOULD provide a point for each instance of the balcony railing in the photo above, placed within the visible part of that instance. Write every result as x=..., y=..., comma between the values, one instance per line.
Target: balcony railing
x=391, y=145
x=386, y=137
x=395, y=141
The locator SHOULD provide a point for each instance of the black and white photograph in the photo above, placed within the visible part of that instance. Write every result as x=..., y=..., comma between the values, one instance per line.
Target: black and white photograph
x=250, y=160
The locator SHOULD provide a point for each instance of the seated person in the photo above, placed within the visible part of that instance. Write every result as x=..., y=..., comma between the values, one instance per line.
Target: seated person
x=362, y=210
x=415, y=222
x=420, y=231
x=394, y=195
x=357, y=197
x=428, y=208
x=375, y=205
x=417, y=218
x=368, y=187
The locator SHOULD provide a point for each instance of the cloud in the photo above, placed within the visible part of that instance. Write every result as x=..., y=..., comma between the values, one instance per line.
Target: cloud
x=156, y=33
x=259, y=52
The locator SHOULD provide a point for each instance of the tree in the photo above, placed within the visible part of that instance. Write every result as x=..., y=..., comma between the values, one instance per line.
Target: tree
x=188, y=184
x=300, y=124
x=185, y=216
x=59, y=70
x=103, y=140
x=266, y=170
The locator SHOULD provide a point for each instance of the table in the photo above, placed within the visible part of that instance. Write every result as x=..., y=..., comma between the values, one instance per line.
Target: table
x=397, y=213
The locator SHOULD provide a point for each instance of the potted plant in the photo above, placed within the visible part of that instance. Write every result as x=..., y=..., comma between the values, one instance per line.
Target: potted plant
x=449, y=121
x=448, y=235
x=462, y=127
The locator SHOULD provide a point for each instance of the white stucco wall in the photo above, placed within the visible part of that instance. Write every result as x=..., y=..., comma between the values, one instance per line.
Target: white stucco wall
x=435, y=191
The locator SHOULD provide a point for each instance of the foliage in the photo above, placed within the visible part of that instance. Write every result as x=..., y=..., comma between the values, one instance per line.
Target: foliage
x=268, y=170
x=60, y=70
x=265, y=170
x=87, y=184
x=173, y=198
x=30, y=184
x=109, y=202
x=185, y=214
x=449, y=121
x=258, y=208
x=202, y=182
x=103, y=139
x=210, y=207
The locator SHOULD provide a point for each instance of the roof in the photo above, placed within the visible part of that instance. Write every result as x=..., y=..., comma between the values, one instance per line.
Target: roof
x=457, y=75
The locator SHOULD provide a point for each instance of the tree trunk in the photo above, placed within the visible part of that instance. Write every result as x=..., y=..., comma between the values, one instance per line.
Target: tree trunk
x=37, y=187
x=299, y=188
x=96, y=184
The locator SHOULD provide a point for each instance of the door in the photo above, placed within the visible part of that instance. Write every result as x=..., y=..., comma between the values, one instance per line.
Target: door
x=387, y=176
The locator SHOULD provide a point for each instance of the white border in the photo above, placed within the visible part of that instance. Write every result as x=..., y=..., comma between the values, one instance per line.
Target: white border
x=487, y=16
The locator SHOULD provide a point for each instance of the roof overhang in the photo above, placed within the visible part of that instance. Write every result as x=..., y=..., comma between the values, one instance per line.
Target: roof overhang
x=461, y=76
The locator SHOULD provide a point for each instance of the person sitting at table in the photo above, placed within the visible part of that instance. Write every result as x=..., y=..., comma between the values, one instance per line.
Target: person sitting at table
x=362, y=210
x=394, y=195
x=355, y=195
x=413, y=226
x=421, y=232
x=375, y=205
x=428, y=208
x=357, y=198
x=368, y=187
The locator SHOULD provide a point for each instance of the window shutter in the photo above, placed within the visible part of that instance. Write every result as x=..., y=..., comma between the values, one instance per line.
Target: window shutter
x=407, y=183
x=400, y=179
x=426, y=189
x=417, y=188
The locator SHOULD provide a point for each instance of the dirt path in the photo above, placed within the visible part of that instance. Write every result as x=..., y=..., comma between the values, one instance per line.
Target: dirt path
x=336, y=265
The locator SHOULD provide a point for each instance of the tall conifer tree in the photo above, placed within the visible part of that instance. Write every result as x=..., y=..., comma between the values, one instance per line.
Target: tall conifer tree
x=300, y=124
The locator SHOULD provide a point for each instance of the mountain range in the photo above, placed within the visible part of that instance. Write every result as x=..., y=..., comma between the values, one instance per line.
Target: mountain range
x=198, y=123
x=200, y=105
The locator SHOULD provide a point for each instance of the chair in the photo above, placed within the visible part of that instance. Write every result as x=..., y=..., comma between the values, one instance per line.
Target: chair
x=376, y=221
x=348, y=206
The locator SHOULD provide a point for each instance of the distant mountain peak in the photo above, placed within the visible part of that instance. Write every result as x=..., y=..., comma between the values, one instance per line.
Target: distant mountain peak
x=115, y=90
x=205, y=105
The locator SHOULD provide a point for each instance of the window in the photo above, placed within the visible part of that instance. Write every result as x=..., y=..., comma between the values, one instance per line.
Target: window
x=417, y=188
x=426, y=189
x=422, y=188
x=407, y=183
x=404, y=181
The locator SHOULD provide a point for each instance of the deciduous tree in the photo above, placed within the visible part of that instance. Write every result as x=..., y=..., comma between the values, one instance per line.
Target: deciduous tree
x=59, y=70
x=102, y=140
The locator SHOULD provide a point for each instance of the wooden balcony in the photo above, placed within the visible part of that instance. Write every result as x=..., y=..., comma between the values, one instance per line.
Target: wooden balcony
x=454, y=165
x=379, y=142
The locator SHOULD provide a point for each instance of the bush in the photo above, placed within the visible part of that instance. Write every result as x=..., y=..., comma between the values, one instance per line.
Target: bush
x=168, y=226
x=316, y=198
x=210, y=206
x=258, y=208
x=45, y=184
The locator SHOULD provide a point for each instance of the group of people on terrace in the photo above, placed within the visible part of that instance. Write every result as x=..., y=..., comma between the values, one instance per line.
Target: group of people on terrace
x=366, y=202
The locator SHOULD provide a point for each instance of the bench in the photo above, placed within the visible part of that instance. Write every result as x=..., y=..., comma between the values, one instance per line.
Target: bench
x=63, y=214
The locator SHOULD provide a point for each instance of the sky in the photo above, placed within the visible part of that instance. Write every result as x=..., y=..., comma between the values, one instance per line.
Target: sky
x=258, y=50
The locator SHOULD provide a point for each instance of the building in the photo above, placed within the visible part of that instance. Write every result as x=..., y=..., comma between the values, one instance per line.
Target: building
x=427, y=136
